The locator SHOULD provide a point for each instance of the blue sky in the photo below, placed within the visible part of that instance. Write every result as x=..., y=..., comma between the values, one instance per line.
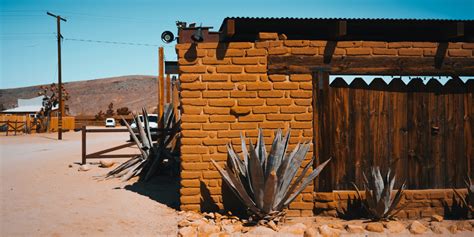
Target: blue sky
x=28, y=44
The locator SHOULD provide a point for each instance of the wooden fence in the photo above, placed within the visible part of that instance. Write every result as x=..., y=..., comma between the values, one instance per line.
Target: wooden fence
x=423, y=132
x=18, y=124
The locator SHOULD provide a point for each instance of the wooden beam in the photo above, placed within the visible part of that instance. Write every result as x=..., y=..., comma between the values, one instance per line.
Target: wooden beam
x=353, y=65
x=341, y=29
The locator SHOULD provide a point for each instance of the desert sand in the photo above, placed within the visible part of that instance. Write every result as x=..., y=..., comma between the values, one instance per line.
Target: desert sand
x=44, y=194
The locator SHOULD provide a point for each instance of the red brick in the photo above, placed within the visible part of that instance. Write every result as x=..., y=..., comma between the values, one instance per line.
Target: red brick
x=212, y=110
x=221, y=102
x=190, y=191
x=193, y=133
x=275, y=78
x=374, y=44
x=296, y=43
x=304, y=51
x=300, y=125
x=349, y=44
x=192, y=141
x=285, y=101
x=425, y=45
x=215, y=126
x=243, y=94
x=429, y=52
x=250, y=102
x=271, y=94
x=215, y=61
x=306, y=86
x=239, y=45
x=192, y=69
x=267, y=36
x=221, y=86
x=244, y=77
x=277, y=51
x=225, y=134
x=292, y=109
x=214, y=142
x=207, y=45
x=302, y=205
x=193, y=182
x=252, y=118
x=459, y=53
x=410, y=52
x=285, y=85
x=185, y=118
x=189, y=77
x=241, y=126
x=191, y=126
x=265, y=110
x=304, y=117
x=301, y=94
x=196, y=102
x=306, y=102
x=228, y=69
x=300, y=77
x=255, y=69
x=259, y=86
x=279, y=117
x=190, y=94
x=400, y=44
x=245, y=61
x=358, y=51
x=215, y=94
x=193, y=86
x=468, y=45
x=216, y=157
x=192, y=53
x=191, y=149
x=317, y=43
x=272, y=125
x=215, y=77
x=221, y=118
x=256, y=52
x=380, y=51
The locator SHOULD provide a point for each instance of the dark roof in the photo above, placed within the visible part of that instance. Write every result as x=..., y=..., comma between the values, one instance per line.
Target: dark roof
x=380, y=29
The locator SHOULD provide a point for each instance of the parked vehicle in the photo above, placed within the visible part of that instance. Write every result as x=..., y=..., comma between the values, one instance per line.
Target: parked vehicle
x=152, y=122
x=110, y=122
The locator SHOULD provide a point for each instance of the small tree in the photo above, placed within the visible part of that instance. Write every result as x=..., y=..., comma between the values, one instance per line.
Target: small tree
x=110, y=111
x=50, y=100
x=123, y=111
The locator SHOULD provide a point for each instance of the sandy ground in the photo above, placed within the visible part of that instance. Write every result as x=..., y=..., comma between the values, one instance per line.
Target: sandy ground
x=42, y=196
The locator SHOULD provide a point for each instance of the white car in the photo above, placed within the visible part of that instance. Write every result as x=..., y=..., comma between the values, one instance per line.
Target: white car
x=110, y=122
x=152, y=122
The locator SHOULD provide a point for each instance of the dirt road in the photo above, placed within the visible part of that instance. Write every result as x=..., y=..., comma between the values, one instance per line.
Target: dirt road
x=42, y=196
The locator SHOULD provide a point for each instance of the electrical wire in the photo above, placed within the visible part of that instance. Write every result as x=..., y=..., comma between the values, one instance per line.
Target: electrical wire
x=112, y=42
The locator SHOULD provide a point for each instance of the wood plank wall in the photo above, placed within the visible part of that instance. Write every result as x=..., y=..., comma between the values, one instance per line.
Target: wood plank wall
x=422, y=132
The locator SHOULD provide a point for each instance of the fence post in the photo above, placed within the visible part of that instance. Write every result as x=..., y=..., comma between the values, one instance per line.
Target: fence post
x=84, y=132
x=8, y=126
x=16, y=126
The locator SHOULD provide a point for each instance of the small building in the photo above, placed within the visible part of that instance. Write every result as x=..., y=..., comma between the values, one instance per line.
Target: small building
x=28, y=107
x=291, y=73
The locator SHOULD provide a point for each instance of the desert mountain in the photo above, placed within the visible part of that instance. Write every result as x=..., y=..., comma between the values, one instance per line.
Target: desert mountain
x=89, y=97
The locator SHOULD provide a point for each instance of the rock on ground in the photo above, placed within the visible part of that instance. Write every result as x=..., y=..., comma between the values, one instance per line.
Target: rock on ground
x=311, y=232
x=327, y=231
x=296, y=229
x=355, y=229
x=417, y=228
x=375, y=227
x=394, y=226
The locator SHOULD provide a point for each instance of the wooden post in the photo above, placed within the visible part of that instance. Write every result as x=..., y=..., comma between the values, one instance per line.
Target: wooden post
x=323, y=139
x=16, y=125
x=84, y=133
x=168, y=88
x=161, y=87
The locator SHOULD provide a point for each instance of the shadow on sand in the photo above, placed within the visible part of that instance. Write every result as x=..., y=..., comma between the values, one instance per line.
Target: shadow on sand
x=163, y=189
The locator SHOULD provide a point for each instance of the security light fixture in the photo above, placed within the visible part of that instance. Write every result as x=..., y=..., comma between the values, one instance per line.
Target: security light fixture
x=167, y=37
x=197, y=36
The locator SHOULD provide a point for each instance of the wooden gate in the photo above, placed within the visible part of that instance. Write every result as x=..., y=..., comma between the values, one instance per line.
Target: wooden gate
x=422, y=132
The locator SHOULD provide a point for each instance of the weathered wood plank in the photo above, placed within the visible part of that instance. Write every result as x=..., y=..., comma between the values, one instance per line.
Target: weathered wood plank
x=370, y=65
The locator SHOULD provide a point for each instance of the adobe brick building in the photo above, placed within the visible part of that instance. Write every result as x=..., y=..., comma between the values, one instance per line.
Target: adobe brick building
x=274, y=73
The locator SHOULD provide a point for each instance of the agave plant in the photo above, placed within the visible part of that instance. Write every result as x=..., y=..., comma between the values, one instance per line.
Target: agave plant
x=468, y=199
x=267, y=183
x=378, y=189
x=153, y=154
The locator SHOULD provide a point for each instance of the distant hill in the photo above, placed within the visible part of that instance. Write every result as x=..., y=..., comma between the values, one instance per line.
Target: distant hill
x=88, y=97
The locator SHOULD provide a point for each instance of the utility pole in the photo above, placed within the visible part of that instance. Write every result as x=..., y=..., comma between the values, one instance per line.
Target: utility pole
x=161, y=84
x=60, y=84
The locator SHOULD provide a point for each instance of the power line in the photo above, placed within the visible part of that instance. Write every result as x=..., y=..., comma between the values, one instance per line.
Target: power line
x=112, y=42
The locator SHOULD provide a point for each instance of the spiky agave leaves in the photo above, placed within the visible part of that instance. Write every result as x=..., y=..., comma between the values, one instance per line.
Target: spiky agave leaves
x=266, y=183
x=379, y=202
x=468, y=199
x=136, y=165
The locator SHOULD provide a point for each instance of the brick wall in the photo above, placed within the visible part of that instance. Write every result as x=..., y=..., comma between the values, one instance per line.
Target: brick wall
x=419, y=203
x=225, y=90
